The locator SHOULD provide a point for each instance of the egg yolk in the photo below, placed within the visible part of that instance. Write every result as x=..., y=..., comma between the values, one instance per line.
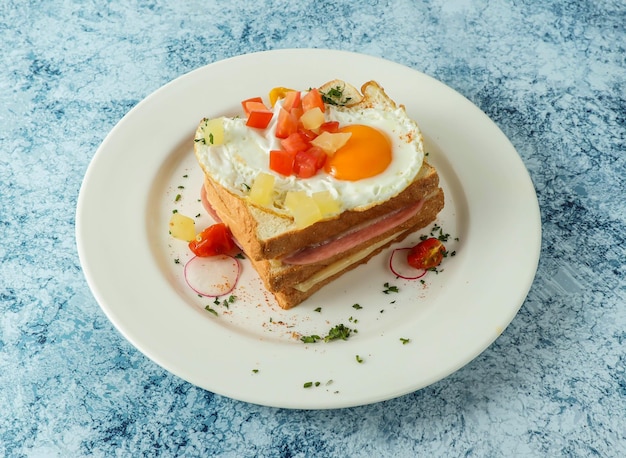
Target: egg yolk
x=366, y=154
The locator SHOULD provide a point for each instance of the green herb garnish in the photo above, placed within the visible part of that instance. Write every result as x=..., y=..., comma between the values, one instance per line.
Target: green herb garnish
x=390, y=288
x=334, y=96
x=338, y=332
x=310, y=339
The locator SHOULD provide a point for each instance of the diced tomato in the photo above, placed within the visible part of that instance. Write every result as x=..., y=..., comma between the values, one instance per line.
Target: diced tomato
x=295, y=142
x=259, y=115
x=312, y=99
x=319, y=155
x=427, y=254
x=287, y=124
x=304, y=165
x=244, y=104
x=214, y=240
x=281, y=161
x=308, y=134
x=259, y=119
x=330, y=126
x=296, y=112
x=292, y=100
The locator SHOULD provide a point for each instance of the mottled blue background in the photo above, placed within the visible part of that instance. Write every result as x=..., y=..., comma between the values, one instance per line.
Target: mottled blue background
x=551, y=74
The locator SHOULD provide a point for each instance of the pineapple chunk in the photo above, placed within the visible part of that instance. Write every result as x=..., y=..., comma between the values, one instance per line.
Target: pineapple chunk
x=312, y=119
x=182, y=227
x=326, y=203
x=330, y=143
x=303, y=208
x=214, y=131
x=262, y=189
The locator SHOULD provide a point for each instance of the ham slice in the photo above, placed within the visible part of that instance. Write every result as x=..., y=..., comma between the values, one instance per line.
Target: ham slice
x=354, y=237
x=344, y=242
x=207, y=206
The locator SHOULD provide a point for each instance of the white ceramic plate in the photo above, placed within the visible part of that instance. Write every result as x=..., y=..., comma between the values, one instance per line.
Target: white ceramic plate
x=251, y=351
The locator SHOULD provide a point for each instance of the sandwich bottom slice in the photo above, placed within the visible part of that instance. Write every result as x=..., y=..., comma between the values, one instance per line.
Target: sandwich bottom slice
x=294, y=275
x=291, y=284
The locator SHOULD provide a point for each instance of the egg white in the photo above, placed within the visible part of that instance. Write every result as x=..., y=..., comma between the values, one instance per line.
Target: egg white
x=245, y=153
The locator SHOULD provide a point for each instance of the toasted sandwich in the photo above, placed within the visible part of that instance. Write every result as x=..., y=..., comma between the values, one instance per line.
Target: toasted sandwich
x=305, y=226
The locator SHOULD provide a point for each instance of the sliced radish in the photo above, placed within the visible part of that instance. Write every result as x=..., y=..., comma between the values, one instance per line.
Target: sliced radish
x=401, y=268
x=212, y=276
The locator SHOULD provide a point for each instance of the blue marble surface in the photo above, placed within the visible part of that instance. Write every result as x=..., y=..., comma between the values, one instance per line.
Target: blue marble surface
x=551, y=74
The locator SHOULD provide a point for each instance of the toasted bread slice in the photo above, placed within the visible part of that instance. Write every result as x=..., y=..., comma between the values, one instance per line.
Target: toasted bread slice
x=279, y=275
x=290, y=296
x=265, y=235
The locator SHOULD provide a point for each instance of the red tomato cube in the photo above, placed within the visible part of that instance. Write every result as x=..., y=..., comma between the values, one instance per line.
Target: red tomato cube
x=281, y=161
x=313, y=99
x=295, y=142
x=245, y=103
x=304, y=165
x=292, y=100
x=287, y=124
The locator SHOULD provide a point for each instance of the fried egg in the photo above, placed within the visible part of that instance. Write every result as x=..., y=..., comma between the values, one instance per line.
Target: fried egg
x=381, y=158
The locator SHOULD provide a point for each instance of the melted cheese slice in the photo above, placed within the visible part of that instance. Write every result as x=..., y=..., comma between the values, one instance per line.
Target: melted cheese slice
x=340, y=265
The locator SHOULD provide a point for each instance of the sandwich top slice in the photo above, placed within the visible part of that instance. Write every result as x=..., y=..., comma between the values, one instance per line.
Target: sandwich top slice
x=356, y=181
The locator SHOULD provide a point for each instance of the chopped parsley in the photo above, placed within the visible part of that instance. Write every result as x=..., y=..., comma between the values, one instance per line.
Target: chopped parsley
x=226, y=302
x=319, y=309
x=334, y=96
x=177, y=198
x=390, y=288
x=210, y=310
x=404, y=340
x=359, y=359
x=338, y=332
x=310, y=339
x=357, y=307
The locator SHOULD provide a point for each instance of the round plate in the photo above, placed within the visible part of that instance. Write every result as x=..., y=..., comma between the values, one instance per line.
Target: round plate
x=405, y=334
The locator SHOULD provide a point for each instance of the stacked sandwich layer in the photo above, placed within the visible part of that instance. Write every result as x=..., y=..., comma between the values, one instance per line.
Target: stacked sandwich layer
x=293, y=259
